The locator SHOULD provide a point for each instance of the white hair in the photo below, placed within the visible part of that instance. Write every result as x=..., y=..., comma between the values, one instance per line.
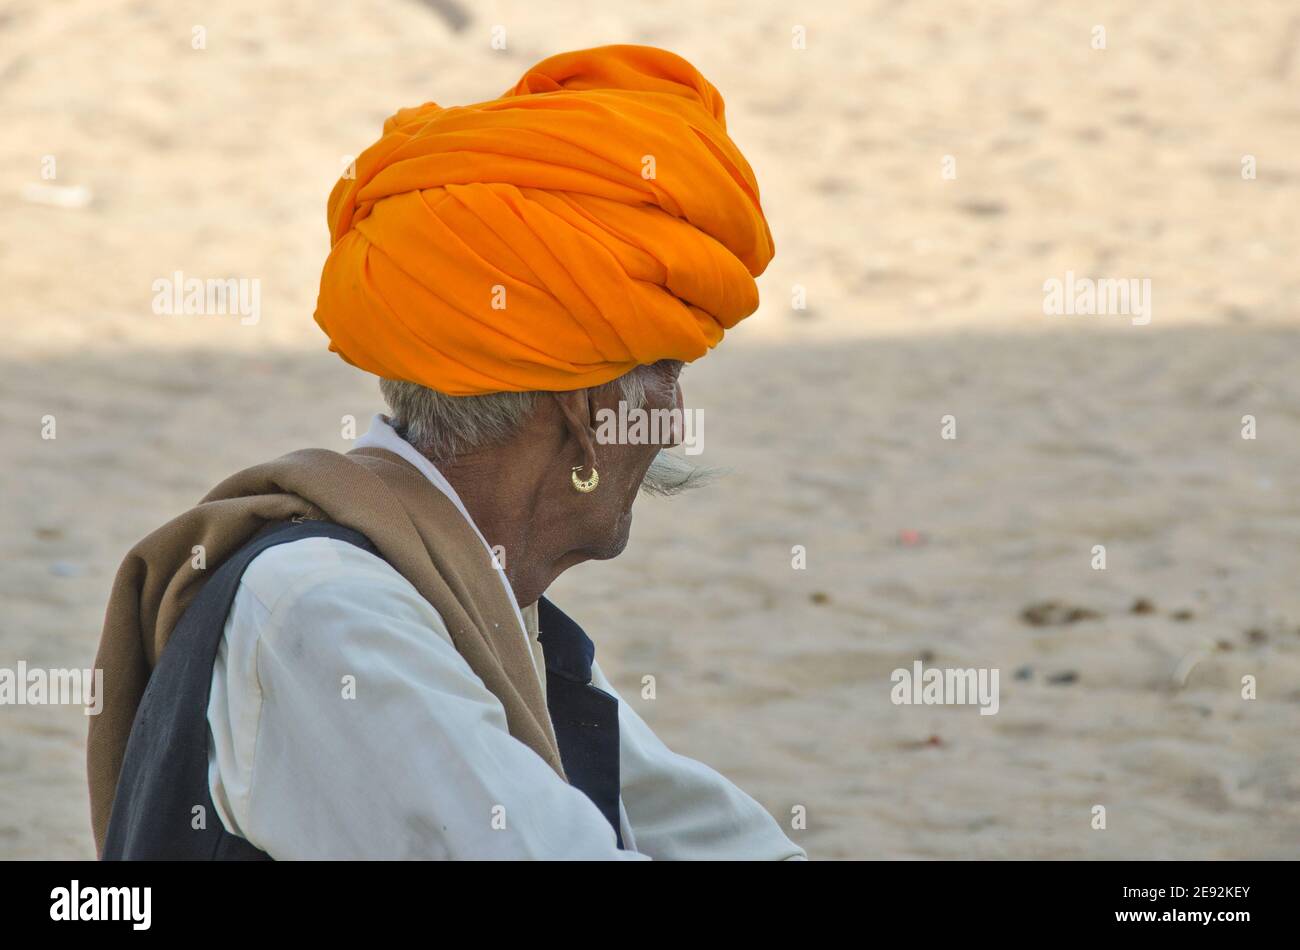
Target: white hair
x=442, y=427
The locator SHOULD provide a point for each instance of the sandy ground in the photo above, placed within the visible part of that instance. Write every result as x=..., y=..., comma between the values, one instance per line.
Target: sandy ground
x=924, y=299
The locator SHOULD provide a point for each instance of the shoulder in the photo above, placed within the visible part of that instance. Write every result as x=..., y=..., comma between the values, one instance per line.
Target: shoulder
x=327, y=583
x=315, y=569
x=281, y=570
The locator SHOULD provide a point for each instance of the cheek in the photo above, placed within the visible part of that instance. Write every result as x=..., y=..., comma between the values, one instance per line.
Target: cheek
x=627, y=469
x=637, y=460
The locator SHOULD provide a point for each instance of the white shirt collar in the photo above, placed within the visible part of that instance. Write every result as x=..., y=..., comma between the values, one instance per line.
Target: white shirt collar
x=381, y=435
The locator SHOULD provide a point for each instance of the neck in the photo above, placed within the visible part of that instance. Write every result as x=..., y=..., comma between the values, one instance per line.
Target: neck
x=503, y=496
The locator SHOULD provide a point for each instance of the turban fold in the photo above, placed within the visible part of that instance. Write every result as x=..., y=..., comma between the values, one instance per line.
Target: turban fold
x=594, y=218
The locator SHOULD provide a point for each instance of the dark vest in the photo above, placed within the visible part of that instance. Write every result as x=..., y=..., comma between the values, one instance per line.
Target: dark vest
x=164, y=774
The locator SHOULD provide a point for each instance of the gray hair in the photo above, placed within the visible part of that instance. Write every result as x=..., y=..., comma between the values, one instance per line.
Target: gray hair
x=442, y=427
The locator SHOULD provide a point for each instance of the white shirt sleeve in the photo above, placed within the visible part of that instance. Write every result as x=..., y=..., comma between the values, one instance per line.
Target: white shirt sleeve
x=680, y=809
x=344, y=724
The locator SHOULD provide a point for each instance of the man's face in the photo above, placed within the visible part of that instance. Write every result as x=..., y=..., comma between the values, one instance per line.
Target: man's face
x=622, y=464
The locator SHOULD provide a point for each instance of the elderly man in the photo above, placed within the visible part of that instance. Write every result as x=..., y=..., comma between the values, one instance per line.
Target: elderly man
x=351, y=656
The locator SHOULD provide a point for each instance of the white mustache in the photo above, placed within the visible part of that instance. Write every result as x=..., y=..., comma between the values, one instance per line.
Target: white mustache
x=671, y=474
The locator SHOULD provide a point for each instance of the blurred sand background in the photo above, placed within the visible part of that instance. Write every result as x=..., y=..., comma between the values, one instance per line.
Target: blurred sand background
x=924, y=298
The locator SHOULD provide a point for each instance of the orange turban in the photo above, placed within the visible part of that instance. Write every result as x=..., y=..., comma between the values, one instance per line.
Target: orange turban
x=594, y=218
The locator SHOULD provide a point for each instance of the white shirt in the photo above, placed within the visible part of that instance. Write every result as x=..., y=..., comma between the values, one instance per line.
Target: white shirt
x=345, y=724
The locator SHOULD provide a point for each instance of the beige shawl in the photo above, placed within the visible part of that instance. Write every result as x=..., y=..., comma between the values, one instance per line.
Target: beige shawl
x=416, y=528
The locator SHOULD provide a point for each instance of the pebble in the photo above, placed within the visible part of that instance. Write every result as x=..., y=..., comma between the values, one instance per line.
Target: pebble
x=1052, y=613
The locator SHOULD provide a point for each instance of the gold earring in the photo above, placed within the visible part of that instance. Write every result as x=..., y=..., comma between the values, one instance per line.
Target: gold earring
x=585, y=485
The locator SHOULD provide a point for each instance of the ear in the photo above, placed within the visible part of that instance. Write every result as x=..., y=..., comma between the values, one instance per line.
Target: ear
x=575, y=407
